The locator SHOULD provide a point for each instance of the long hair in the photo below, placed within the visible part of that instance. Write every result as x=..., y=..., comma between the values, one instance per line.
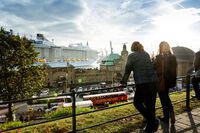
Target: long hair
x=137, y=46
x=164, y=48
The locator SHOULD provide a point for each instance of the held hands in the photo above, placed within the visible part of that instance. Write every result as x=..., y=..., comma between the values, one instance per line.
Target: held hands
x=122, y=84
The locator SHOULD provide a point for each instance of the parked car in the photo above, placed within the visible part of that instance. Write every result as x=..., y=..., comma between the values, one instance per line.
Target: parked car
x=4, y=105
x=51, y=109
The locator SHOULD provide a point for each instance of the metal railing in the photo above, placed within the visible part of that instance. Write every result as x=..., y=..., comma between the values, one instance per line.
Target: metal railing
x=73, y=93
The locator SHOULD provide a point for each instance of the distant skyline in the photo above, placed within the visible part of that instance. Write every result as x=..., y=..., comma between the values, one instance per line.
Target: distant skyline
x=102, y=21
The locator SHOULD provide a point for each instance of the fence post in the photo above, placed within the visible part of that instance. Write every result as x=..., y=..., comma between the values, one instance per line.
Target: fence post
x=74, y=111
x=188, y=92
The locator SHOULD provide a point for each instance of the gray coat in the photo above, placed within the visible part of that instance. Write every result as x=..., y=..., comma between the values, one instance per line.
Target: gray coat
x=142, y=67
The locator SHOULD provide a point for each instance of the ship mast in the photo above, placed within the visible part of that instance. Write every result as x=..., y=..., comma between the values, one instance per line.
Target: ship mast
x=111, y=49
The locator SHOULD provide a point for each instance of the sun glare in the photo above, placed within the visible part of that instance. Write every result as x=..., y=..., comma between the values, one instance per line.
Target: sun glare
x=174, y=26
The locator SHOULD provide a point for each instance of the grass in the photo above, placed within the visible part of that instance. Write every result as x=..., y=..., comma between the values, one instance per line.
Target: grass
x=124, y=125
x=10, y=125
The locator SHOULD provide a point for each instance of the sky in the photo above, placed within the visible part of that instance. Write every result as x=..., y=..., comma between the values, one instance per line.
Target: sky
x=100, y=21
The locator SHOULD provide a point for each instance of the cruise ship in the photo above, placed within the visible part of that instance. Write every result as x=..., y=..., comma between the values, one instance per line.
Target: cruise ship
x=49, y=52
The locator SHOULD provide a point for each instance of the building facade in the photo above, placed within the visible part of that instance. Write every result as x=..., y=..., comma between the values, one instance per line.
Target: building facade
x=111, y=69
x=185, y=57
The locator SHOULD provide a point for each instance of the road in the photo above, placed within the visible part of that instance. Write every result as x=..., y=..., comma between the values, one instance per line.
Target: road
x=18, y=107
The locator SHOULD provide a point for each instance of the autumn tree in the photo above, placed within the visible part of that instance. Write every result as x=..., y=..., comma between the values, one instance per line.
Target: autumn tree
x=20, y=77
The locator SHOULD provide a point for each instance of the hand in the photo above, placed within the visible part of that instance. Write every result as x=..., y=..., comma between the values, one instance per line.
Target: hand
x=122, y=84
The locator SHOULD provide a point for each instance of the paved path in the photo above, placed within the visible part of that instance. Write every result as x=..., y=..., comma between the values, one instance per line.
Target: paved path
x=188, y=122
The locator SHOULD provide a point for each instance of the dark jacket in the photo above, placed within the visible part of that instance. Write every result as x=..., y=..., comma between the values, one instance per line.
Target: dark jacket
x=142, y=67
x=197, y=61
x=167, y=65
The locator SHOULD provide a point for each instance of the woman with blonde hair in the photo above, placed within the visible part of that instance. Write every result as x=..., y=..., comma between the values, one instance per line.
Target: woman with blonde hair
x=166, y=65
x=145, y=81
x=164, y=48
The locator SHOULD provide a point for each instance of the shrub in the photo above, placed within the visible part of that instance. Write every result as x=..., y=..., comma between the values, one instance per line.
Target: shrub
x=65, y=111
x=10, y=125
x=58, y=113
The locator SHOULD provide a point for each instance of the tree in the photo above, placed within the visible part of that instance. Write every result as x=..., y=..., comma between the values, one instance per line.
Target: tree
x=20, y=77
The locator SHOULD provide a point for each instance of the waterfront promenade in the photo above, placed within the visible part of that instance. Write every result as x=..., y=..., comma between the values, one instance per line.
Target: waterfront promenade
x=187, y=122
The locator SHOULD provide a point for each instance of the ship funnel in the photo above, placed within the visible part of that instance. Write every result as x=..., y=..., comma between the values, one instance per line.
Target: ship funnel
x=40, y=36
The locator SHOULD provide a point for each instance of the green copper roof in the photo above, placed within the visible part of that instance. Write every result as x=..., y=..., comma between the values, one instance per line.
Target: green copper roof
x=109, y=60
x=111, y=57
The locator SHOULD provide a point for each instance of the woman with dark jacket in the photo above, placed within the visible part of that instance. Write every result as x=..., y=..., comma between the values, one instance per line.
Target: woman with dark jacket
x=166, y=67
x=145, y=80
x=196, y=78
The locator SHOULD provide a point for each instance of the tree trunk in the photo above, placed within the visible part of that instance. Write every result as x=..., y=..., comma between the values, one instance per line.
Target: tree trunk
x=10, y=112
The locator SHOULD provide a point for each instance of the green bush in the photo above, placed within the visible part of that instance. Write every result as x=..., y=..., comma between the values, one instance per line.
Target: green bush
x=65, y=111
x=10, y=125
x=58, y=113
x=81, y=110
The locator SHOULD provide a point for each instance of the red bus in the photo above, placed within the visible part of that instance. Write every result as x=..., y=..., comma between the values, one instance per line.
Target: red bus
x=105, y=98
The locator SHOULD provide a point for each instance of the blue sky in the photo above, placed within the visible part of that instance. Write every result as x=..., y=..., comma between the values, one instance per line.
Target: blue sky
x=99, y=21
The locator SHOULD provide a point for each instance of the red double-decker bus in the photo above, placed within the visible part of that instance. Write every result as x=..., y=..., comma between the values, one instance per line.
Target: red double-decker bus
x=105, y=98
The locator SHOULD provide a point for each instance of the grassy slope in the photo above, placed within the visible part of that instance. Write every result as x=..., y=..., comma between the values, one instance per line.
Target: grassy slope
x=125, y=125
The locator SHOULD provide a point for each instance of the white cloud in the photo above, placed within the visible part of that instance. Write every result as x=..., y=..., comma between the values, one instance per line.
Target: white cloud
x=98, y=22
